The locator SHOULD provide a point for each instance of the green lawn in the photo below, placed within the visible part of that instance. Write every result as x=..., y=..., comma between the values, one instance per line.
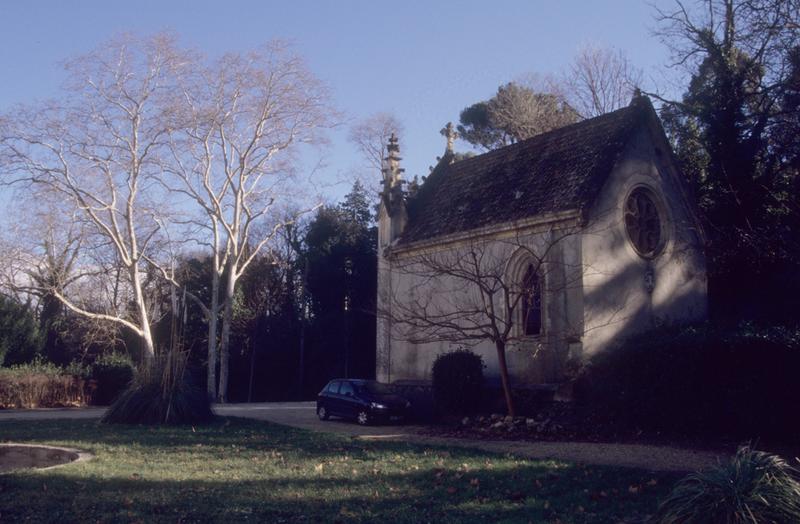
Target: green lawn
x=240, y=470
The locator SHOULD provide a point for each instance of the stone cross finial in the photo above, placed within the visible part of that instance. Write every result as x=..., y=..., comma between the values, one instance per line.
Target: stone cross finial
x=449, y=132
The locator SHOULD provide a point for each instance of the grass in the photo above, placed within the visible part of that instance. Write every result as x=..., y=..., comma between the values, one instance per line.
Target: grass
x=239, y=470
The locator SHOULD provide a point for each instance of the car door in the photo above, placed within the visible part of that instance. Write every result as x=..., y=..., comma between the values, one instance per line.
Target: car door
x=330, y=396
x=347, y=398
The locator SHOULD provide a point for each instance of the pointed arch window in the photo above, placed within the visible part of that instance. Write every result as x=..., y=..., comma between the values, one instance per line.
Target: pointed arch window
x=531, y=310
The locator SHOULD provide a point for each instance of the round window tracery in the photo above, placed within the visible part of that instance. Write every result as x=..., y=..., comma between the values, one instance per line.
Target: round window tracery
x=643, y=223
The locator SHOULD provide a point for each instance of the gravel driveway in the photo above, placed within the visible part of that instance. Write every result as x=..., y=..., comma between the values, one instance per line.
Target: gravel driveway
x=303, y=415
x=656, y=458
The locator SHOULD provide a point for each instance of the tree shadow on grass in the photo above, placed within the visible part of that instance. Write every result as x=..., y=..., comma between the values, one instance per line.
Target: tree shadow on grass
x=480, y=495
x=241, y=470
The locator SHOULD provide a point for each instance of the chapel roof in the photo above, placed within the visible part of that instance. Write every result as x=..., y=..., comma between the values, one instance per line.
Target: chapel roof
x=560, y=170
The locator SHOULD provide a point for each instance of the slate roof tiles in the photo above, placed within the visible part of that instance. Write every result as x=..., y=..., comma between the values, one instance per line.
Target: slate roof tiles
x=561, y=170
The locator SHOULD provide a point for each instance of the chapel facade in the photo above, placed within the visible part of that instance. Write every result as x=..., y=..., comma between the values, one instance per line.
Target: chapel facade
x=561, y=245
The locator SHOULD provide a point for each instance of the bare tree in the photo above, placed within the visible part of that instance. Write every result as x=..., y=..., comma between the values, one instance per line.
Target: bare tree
x=469, y=294
x=97, y=150
x=232, y=157
x=370, y=136
x=600, y=80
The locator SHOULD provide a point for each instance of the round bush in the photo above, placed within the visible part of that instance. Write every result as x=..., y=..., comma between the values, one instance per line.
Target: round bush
x=458, y=381
x=113, y=373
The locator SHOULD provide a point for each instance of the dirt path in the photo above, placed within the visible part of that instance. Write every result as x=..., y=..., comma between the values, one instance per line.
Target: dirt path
x=302, y=415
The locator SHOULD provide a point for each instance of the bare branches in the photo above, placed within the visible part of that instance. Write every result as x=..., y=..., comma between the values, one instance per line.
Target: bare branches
x=370, y=136
x=470, y=292
x=600, y=80
x=761, y=29
x=242, y=118
x=97, y=153
x=478, y=290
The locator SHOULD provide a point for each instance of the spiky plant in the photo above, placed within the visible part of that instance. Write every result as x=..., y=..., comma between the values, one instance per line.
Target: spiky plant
x=752, y=487
x=165, y=393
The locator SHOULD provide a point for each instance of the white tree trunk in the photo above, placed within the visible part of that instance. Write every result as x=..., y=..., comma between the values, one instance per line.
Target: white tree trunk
x=212, y=337
x=148, y=349
x=224, y=345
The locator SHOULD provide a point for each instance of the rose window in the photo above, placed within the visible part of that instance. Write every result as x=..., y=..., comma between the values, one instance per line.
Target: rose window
x=643, y=223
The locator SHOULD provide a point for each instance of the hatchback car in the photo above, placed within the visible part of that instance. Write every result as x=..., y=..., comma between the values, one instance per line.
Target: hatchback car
x=365, y=401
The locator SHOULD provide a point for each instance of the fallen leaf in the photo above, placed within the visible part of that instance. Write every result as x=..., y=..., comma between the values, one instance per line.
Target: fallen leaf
x=318, y=468
x=451, y=490
x=652, y=482
x=475, y=482
x=633, y=489
x=538, y=483
x=517, y=496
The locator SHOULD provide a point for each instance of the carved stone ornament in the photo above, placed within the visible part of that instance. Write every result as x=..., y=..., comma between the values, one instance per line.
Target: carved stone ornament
x=649, y=280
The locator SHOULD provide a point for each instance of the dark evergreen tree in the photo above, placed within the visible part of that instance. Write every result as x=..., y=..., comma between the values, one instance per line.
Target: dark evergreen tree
x=20, y=341
x=342, y=277
x=735, y=134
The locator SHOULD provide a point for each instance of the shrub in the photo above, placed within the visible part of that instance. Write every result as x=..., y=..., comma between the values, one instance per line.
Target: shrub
x=40, y=384
x=164, y=394
x=699, y=379
x=113, y=374
x=752, y=487
x=458, y=381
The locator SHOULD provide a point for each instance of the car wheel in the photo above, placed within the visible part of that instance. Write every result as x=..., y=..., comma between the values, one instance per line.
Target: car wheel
x=322, y=413
x=362, y=418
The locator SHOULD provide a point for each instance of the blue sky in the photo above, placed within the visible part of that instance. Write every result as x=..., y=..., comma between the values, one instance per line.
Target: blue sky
x=422, y=61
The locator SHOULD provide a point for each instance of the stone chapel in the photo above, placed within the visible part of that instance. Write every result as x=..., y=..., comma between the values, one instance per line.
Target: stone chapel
x=563, y=244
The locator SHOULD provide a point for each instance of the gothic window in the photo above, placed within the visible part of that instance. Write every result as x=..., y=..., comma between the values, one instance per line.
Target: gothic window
x=643, y=223
x=531, y=318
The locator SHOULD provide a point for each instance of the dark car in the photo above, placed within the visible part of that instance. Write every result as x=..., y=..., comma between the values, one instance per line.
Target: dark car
x=365, y=401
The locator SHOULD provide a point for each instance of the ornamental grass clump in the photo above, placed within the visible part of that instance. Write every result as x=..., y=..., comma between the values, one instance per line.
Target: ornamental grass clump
x=752, y=487
x=165, y=393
